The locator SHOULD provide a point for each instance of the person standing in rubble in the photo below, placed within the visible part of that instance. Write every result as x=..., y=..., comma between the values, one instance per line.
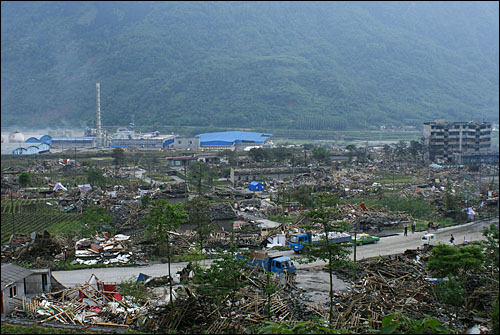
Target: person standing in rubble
x=406, y=229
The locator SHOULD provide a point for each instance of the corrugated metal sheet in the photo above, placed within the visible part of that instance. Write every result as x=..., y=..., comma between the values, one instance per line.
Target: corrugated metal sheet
x=18, y=151
x=32, y=150
x=32, y=140
x=46, y=139
x=44, y=147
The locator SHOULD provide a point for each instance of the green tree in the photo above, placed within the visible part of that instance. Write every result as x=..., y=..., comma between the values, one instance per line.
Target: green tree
x=414, y=149
x=303, y=194
x=230, y=155
x=145, y=201
x=491, y=247
x=281, y=153
x=351, y=149
x=400, y=151
x=335, y=254
x=257, y=154
x=163, y=218
x=118, y=156
x=223, y=279
x=201, y=174
x=95, y=177
x=94, y=220
x=24, y=179
x=494, y=317
x=451, y=292
x=198, y=210
x=446, y=260
x=321, y=155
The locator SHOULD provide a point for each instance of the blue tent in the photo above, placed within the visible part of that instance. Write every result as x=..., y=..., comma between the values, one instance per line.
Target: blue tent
x=256, y=186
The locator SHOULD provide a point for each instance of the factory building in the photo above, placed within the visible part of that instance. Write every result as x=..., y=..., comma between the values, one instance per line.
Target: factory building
x=450, y=141
x=73, y=142
x=125, y=138
x=185, y=143
x=232, y=140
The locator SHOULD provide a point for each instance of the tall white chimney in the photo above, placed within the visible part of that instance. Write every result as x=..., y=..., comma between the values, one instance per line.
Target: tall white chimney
x=99, y=131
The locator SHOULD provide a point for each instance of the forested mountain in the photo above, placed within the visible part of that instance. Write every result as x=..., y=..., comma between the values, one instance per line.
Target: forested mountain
x=260, y=65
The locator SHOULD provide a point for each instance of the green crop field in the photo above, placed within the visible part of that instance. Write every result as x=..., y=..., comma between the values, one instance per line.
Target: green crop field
x=25, y=216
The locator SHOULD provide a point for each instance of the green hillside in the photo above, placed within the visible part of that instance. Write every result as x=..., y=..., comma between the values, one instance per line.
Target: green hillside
x=259, y=65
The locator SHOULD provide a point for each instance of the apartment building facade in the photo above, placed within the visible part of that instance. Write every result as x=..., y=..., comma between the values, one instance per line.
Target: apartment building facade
x=448, y=141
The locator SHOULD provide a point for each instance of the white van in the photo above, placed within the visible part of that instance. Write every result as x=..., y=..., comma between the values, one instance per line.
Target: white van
x=429, y=239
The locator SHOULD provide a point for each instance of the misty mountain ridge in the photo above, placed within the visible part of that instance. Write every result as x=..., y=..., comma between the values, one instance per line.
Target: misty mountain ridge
x=256, y=65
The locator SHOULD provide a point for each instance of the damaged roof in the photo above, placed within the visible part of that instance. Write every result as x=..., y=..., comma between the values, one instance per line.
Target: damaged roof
x=12, y=273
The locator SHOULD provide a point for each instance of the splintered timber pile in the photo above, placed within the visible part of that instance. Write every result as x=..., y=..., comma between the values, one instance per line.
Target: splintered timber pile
x=388, y=285
x=197, y=314
x=93, y=303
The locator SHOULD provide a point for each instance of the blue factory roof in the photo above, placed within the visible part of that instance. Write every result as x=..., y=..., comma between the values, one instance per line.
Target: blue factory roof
x=32, y=140
x=73, y=139
x=231, y=137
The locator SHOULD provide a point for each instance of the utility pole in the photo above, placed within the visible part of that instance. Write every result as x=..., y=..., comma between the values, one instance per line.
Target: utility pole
x=393, y=184
x=199, y=179
x=185, y=181
x=355, y=243
x=12, y=212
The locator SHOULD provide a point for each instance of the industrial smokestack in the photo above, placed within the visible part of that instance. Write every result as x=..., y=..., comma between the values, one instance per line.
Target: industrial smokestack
x=99, y=131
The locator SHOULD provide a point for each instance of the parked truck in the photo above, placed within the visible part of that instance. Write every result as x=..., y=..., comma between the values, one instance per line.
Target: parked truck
x=297, y=240
x=271, y=263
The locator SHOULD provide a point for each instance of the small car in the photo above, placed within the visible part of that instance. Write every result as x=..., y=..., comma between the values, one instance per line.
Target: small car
x=429, y=239
x=365, y=239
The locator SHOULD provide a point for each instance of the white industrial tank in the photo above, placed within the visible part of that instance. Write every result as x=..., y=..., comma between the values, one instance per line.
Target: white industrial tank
x=16, y=137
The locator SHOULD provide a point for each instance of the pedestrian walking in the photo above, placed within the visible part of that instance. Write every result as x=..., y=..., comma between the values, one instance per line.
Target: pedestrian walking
x=452, y=239
x=413, y=226
x=406, y=229
x=429, y=226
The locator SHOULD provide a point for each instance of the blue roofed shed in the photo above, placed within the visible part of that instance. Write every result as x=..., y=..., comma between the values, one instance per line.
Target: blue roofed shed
x=231, y=137
x=256, y=186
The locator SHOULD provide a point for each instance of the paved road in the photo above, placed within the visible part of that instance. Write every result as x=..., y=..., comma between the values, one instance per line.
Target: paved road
x=313, y=278
x=309, y=276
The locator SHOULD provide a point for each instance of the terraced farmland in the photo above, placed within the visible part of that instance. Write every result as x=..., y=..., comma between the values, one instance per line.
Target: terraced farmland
x=25, y=216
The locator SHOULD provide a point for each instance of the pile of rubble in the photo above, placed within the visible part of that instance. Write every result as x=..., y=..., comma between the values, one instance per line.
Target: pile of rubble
x=106, y=250
x=194, y=313
x=93, y=303
x=38, y=249
x=373, y=218
x=400, y=283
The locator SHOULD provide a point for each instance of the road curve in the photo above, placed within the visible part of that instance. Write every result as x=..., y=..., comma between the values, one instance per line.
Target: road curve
x=386, y=246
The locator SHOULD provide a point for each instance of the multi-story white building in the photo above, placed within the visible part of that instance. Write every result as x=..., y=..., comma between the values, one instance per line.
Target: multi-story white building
x=448, y=141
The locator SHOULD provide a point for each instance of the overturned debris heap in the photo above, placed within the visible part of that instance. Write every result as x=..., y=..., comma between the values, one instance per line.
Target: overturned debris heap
x=401, y=283
x=93, y=303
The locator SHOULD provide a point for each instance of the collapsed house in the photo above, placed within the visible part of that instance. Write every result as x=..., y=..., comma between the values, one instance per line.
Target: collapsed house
x=19, y=282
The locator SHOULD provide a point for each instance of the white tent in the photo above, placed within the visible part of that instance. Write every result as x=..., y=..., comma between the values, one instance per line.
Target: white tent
x=84, y=187
x=59, y=186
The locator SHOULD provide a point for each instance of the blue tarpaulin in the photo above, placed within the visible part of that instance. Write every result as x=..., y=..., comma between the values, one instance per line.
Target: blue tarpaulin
x=142, y=277
x=256, y=186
